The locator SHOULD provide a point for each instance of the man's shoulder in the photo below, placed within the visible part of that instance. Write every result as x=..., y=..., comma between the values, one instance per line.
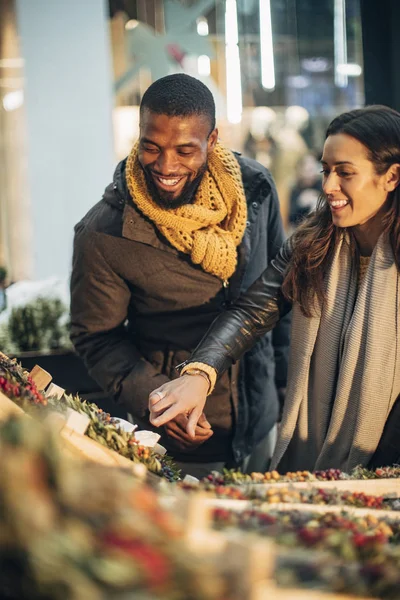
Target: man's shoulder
x=254, y=174
x=106, y=215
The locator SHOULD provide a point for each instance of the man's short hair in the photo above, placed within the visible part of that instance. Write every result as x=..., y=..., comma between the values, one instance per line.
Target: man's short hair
x=179, y=95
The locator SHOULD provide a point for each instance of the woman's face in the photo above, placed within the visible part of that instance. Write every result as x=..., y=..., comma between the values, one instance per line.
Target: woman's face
x=354, y=191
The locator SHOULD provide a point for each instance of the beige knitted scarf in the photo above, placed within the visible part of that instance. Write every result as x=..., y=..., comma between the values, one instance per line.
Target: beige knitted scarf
x=209, y=229
x=344, y=373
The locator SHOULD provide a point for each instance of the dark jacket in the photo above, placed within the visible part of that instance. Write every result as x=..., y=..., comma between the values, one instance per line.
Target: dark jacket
x=139, y=308
x=256, y=313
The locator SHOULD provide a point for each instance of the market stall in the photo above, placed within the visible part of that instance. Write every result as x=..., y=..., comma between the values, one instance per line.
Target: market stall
x=112, y=518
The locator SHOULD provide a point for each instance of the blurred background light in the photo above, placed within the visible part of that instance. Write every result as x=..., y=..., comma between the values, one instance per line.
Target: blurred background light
x=340, y=41
x=315, y=64
x=266, y=46
x=204, y=65
x=349, y=69
x=13, y=100
x=202, y=26
x=298, y=81
x=11, y=63
x=131, y=24
x=234, y=105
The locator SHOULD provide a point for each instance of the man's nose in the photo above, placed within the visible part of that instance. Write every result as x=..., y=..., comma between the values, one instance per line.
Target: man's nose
x=166, y=163
x=331, y=183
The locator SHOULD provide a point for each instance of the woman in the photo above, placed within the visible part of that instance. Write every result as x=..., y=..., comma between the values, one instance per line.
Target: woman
x=340, y=273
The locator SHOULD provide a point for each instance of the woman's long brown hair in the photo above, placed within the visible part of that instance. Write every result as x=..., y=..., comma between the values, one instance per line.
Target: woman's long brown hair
x=315, y=240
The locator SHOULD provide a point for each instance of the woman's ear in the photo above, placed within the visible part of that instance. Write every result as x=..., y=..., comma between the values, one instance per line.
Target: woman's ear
x=392, y=177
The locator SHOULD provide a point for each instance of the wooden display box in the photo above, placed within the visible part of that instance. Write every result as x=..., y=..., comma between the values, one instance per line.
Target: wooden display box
x=242, y=505
x=373, y=487
x=77, y=445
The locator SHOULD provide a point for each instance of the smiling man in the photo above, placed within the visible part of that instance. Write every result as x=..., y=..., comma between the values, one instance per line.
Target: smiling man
x=185, y=226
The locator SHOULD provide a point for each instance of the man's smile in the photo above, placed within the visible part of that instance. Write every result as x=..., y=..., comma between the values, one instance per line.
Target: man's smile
x=169, y=184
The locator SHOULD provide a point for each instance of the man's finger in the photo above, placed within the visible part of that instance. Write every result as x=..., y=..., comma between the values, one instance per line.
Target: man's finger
x=183, y=442
x=201, y=430
x=203, y=422
x=200, y=434
x=181, y=422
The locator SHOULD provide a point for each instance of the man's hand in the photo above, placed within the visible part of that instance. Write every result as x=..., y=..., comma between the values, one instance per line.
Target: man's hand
x=184, y=396
x=176, y=429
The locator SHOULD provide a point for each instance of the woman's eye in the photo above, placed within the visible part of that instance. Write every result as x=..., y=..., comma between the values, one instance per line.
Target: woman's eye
x=344, y=174
x=325, y=172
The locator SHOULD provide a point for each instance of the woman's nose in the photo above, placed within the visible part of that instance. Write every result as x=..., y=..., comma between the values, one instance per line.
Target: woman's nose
x=330, y=183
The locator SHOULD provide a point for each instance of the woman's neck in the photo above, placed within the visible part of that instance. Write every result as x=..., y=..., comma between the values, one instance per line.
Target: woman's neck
x=368, y=233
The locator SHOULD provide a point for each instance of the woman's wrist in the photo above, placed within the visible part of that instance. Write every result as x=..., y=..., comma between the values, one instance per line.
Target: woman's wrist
x=202, y=374
x=209, y=373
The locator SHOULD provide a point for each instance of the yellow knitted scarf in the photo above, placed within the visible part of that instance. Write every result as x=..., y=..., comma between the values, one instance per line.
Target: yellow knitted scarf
x=210, y=228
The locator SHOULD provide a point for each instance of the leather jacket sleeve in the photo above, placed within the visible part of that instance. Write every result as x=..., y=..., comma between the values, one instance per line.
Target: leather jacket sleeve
x=255, y=313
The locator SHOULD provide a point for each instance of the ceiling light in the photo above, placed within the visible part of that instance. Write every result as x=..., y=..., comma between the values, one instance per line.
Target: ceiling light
x=131, y=24
x=202, y=26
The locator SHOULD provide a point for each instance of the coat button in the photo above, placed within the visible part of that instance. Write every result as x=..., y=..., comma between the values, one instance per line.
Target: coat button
x=254, y=204
x=248, y=223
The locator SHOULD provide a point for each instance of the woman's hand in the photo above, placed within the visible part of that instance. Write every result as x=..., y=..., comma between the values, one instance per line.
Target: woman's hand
x=184, y=396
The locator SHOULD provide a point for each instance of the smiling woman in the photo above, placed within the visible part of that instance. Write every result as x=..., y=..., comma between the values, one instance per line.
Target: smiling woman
x=340, y=272
x=356, y=193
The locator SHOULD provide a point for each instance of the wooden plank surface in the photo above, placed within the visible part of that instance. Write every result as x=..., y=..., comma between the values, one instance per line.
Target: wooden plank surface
x=241, y=505
x=8, y=408
x=269, y=591
x=89, y=449
x=373, y=487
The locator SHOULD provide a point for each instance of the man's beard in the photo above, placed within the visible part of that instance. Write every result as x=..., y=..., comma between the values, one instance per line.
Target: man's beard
x=166, y=199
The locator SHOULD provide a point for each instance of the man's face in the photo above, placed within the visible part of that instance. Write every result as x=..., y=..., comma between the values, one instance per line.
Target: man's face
x=173, y=152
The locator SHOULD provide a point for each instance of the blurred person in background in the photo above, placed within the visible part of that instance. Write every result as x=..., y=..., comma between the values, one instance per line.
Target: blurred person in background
x=3, y=296
x=306, y=189
x=183, y=229
x=341, y=273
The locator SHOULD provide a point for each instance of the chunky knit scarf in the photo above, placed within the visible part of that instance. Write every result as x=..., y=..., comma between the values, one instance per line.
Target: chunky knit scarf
x=209, y=229
x=344, y=373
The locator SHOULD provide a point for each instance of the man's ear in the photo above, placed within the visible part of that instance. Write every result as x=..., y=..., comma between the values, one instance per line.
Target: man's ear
x=212, y=140
x=392, y=177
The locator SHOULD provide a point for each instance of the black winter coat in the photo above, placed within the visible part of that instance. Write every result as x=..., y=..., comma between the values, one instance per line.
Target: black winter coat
x=139, y=308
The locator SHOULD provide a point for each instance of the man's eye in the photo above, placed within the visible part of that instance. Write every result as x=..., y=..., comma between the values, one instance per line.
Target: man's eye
x=151, y=150
x=185, y=152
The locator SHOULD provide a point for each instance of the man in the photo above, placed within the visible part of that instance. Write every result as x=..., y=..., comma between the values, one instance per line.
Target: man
x=184, y=227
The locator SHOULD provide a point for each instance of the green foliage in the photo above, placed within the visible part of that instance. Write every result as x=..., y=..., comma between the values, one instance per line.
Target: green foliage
x=38, y=326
